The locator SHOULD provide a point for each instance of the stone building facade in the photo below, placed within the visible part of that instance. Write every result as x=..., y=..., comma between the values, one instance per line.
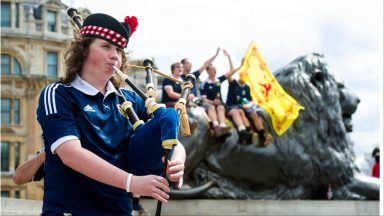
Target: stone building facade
x=34, y=34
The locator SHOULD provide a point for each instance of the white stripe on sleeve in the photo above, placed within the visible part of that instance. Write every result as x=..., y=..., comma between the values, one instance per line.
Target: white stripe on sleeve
x=60, y=141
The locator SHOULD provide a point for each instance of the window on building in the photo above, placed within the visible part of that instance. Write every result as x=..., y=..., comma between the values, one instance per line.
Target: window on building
x=5, y=64
x=5, y=111
x=51, y=20
x=10, y=111
x=10, y=65
x=17, y=194
x=17, y=154
x=52, y=64
x=16, y=111
x=4, y=156
x=4, y=193
x=5, y=14
x=17, y=15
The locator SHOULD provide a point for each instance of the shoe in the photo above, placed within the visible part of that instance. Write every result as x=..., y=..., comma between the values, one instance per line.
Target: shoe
x=265, y=138
x=255, y=138
x=268, y=138
x=262, y=138
x=225, y=130
x=245, y=137
x=217, y=130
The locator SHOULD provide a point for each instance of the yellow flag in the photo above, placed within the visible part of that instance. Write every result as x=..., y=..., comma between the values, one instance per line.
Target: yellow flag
x=267, y=92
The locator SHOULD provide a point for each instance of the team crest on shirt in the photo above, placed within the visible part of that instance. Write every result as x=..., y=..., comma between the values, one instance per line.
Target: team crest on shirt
x=122, y=112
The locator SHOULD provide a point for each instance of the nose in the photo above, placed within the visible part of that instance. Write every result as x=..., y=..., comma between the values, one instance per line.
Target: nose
x=114, y=54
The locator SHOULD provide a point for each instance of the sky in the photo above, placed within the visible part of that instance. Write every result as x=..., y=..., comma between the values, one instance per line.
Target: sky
x=348, y=32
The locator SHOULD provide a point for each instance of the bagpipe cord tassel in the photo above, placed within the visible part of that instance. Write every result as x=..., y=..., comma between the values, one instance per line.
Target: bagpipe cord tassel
x=184, y=123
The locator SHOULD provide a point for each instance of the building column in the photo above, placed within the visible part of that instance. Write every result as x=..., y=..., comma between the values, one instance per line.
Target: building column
x=58, y=21
x=13, y=15
x=12, y=157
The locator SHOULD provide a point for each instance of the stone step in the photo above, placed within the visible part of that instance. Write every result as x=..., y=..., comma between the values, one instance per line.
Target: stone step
x=224, y=207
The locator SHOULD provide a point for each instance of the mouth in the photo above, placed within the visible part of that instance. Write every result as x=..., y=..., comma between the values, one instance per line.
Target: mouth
x=110, y=66
x=347, y=120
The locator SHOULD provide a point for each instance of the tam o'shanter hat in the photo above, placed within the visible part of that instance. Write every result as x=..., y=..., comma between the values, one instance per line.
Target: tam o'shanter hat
x=107, y=28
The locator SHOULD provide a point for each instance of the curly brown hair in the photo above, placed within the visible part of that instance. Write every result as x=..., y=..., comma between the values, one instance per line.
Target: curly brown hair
x=75, y=55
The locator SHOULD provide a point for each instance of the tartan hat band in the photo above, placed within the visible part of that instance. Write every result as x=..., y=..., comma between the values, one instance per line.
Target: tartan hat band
x=105, y=34
x=107, y=28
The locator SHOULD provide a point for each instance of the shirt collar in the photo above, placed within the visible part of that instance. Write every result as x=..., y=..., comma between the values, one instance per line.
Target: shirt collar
x=209, y=81
x=179, y=78
x=83, y=86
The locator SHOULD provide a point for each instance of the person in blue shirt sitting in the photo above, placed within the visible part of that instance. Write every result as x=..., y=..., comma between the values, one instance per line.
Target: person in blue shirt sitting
x=211, y=96
x=86, y=135
x=171, y=89
x=239, y=100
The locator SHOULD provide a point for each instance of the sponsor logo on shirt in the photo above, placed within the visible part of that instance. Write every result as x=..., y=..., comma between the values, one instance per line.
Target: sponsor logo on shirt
x=88, y=108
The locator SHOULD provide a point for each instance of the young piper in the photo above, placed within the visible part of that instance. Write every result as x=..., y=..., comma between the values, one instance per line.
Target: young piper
x=86, y=136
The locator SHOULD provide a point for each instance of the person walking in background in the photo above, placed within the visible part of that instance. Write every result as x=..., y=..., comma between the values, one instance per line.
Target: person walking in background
x=376, y=166
x=30, y=170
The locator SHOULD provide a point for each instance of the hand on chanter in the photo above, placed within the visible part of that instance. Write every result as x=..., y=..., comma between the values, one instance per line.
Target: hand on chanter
x=175, y=172
x=150, y=185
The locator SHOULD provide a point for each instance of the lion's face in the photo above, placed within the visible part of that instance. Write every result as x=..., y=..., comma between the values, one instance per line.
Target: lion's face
x=349, y=102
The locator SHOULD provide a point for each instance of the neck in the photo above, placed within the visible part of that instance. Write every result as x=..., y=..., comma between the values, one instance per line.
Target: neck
x=100, y=83
x=212, y=78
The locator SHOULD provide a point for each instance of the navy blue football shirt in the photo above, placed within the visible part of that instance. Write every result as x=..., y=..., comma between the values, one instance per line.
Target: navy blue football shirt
x=211, y=89
x=79, y=111
x=236, y=92
x=167, y=83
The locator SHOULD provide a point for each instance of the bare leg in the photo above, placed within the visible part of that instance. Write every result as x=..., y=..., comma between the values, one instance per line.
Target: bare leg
x=236, y=117
x=201, y=109
x=221, y=114
x=244, y=118
x=256, y=121
x=212, y=114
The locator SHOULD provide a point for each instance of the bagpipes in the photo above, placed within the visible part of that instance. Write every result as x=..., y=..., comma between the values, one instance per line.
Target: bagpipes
x=155, y=138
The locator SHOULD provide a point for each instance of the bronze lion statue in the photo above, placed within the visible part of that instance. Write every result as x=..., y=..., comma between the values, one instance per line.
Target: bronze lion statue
x=315, y=153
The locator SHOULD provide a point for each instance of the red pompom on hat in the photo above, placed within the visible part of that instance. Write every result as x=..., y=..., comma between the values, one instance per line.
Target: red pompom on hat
x=132, y=22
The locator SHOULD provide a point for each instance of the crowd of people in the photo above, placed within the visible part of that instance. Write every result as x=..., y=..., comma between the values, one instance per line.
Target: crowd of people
x=239, y=106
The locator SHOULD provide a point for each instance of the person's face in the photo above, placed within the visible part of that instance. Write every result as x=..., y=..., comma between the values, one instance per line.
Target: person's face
x=211, y=70
x=178, y=70
x=102, y=56
x=187, y=66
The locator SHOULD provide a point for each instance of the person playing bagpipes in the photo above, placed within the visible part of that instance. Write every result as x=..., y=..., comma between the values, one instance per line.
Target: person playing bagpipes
x=89, y=140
